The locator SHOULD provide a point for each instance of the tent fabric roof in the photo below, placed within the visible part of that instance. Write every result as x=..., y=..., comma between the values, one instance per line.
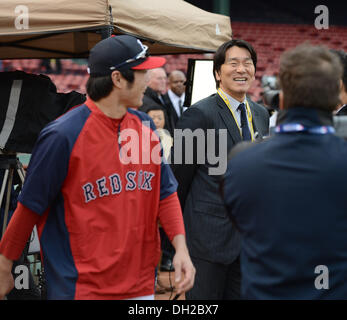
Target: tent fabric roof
x=175, y=25
x=51, y=28
x=30, y=16
x=68, y=29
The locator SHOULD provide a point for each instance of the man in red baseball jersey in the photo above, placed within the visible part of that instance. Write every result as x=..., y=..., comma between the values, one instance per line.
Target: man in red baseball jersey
x=96, y=188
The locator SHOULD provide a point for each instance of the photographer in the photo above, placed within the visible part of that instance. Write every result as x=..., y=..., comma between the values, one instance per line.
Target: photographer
x=270, y=98
x=342, y=107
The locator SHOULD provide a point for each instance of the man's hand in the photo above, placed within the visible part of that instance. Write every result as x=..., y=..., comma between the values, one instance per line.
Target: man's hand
x=6, y=279
x=184, y=269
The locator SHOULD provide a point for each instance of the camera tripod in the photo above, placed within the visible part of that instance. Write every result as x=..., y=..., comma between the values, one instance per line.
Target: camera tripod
x=10, y=163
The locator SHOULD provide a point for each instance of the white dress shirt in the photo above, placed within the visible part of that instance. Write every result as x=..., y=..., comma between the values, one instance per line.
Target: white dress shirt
x=234, y=104
x=175, y=101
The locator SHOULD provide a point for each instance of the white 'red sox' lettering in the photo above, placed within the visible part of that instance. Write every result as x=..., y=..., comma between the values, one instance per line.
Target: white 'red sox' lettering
x=113, y=185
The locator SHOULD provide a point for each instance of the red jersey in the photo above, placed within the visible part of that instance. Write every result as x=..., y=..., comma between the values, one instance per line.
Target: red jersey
x=99, y=226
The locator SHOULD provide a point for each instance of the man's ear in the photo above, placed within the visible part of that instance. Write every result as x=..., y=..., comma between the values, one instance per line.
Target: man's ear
x=343, y=93
x=216, y=73
x=343, y=88
x=281, y=102
x=116, y=78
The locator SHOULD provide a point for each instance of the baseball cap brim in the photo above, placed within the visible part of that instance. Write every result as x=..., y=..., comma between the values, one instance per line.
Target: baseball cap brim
x=150, y=63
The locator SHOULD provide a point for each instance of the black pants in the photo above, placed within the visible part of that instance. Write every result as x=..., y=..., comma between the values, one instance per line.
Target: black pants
x=168, y=251
x=215, y=281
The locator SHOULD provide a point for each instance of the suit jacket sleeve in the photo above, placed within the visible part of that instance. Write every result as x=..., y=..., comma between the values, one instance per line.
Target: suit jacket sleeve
x=192, y=119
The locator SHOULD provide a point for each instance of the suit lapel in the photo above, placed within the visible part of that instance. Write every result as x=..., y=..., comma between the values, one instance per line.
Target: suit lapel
x=256, y=119
x=171, y=108
x=174, y=113
x=229, y=121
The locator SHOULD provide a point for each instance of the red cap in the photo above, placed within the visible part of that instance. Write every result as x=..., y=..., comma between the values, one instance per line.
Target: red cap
x=151, y=63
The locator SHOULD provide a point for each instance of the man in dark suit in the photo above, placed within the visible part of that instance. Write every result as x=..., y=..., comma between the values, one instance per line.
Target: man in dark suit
x=175, y=96
x=213, y=242
x=290, y=202
x=342, y=108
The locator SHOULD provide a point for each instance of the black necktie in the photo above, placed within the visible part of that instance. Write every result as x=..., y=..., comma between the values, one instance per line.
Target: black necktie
x=180, y=106
x=246, y=134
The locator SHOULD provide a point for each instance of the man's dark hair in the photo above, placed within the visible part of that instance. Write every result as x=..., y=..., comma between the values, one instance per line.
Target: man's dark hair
x=219, y=57
x=343, y=59
x=310, y=77
x=101, y=87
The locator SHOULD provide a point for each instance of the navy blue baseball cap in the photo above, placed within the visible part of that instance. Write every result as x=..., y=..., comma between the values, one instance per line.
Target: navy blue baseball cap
x=120, y=52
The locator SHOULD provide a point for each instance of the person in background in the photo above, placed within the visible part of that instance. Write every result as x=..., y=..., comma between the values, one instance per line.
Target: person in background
x=342, y=107
x=154, y=94
x=175, y=96
x=156, y=88
x=157, y=114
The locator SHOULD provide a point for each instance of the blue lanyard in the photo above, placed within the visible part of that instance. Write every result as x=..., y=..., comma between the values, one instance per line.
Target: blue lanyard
x=297, y=127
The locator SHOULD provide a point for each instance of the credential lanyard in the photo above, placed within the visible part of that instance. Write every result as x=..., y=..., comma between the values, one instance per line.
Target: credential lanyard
x=249, y=113
x=298, y=127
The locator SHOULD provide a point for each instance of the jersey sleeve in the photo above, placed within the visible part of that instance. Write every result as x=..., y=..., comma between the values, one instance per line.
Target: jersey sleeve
x=170, y=216
x=18, y=232
x=47, y=170
x=168, y=183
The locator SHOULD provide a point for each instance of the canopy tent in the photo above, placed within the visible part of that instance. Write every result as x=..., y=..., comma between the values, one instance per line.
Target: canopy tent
x=68, y=29
x=51, y=28
x=172, y=26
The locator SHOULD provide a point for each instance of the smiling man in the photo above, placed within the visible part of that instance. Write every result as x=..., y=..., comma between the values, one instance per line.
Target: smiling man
x=287, y=195
x=213, y=242
x=97, y=216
